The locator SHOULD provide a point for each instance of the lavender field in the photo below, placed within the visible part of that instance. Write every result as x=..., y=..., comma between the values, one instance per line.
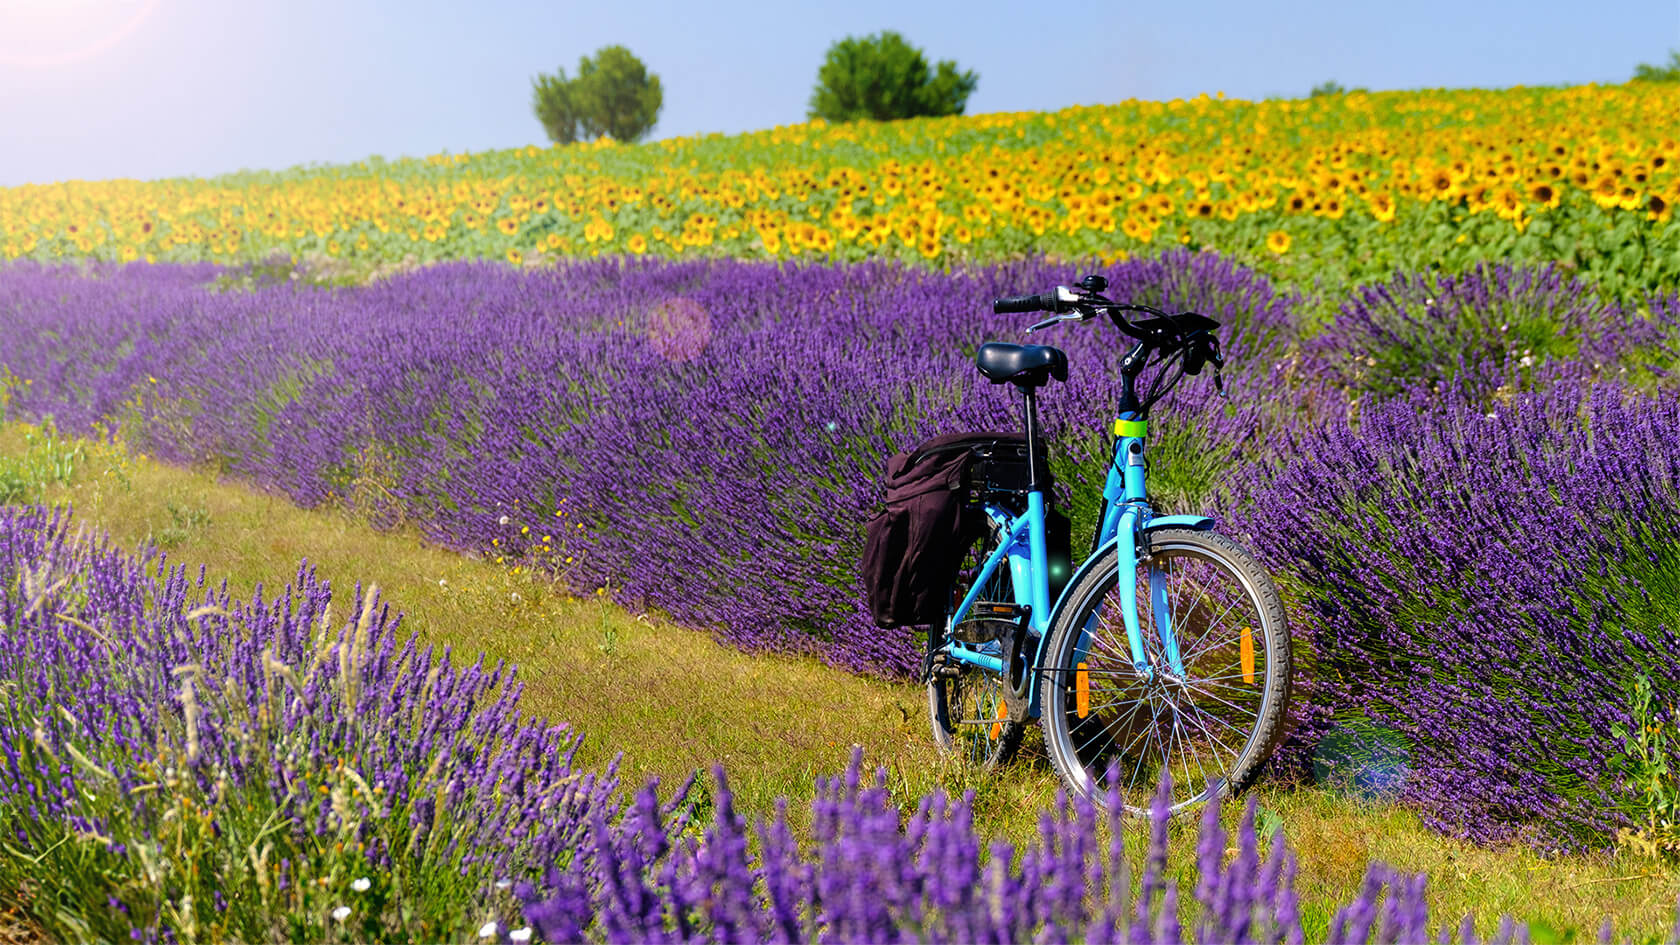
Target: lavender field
x=1467, y=484
x=213, y=782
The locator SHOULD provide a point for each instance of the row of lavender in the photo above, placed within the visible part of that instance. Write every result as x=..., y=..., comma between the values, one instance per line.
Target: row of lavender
x=214, y=779
x=1468, y=482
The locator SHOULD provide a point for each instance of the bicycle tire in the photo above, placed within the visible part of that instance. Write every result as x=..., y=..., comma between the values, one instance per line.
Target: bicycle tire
x=1180, y=717
x=967, y=706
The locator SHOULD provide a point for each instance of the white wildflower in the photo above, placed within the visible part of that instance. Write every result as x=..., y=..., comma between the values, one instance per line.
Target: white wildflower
x=341, y=913
x=521, y=935
x=361, y=885
x=488, y=930
x=503, y=883
x=502, y=521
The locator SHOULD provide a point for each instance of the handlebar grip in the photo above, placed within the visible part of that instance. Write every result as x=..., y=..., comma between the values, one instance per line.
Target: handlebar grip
x=1024, y=303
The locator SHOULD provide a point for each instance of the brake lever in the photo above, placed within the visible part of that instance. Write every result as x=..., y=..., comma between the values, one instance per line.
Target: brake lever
x=1076, y=316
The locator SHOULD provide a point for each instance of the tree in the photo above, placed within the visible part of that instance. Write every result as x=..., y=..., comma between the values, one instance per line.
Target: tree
x=1669, y=73
x=551, y=98
x=613, y=94
x=885, y=78
x=1331, y=87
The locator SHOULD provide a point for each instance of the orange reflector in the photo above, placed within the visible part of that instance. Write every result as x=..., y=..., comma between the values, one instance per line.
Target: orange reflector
x=1082, y=691
x=1248, y=655
x=1002, y=715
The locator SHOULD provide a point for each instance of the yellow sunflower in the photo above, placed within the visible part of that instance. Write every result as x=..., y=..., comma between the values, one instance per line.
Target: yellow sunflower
x=1278, y=242
x=1545, y=193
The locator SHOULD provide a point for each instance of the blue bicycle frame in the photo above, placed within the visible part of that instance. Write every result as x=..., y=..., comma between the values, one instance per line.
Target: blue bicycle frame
x=1127, y=518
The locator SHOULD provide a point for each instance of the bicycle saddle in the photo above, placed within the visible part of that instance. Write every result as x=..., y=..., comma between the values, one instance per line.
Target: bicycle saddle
x=1022, y=365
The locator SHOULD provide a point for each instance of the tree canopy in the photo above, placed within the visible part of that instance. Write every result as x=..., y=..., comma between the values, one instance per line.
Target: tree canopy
x=884, y=78
x=1669, y=73
x=613, y=94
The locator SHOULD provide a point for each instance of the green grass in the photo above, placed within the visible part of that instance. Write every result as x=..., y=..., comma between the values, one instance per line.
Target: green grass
x=672, y=700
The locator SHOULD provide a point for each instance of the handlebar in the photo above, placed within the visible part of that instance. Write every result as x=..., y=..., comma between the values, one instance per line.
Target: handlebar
x=1017, y=304
x=1168, y=334
x=1068, y=304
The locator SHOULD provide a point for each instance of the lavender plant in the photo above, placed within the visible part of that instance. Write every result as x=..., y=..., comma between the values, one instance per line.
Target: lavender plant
x=873, y=873
x=1475, y=331
x=1478, y=584
x=214, y=769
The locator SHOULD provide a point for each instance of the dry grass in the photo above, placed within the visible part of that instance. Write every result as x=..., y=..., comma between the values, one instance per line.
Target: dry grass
x=672, y=700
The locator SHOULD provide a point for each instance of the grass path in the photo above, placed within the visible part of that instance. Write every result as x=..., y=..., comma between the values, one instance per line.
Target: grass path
x=672, y=700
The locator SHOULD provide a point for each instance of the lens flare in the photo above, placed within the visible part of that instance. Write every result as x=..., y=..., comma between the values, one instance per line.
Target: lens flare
x=1367, y=758
x=48, y=33
x=679, y=329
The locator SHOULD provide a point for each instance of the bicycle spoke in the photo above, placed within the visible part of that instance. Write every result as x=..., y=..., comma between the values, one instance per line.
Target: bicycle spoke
x=1246, y=687
x=1177, y=737
x=1191, y=685
x=1177, y=620
x=1102, y=640
x=1212, y=738
x=1108, y=729
x=1200, y=768
x=1242, y=733
x=1197, y=648
x=1149, y=733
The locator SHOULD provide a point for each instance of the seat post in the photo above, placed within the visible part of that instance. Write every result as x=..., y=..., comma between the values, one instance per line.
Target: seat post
x=1030, y=408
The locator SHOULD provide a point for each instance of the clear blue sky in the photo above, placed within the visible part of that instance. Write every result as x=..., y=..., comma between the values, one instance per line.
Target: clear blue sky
x=156, y=88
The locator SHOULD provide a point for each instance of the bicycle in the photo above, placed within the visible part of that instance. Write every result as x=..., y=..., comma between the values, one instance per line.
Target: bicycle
x=1167, y=648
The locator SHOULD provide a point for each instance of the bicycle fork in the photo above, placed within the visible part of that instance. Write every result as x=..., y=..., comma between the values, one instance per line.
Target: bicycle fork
x=1126, y=514
x=1129, y=531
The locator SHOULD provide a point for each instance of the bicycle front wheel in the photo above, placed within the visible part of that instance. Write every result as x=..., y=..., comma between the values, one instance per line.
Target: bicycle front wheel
x=967, y=705
x=1209, y=728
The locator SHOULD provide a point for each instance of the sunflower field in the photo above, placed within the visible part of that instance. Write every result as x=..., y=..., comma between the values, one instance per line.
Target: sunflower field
x=1335, y=189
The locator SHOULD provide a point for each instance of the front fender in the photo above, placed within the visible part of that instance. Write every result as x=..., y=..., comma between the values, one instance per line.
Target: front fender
x=1200, y=523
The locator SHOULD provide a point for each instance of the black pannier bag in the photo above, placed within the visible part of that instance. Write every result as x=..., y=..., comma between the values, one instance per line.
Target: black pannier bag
x=913, y=547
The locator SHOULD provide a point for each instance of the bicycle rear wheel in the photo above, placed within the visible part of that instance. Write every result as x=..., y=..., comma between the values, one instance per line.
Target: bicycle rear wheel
x=1210, y=728
x=969, y=706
